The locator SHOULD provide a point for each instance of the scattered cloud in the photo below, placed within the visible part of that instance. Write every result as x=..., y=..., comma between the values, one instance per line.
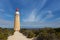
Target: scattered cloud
x=57, y=20
x=3, y=13
x=48, y=16
x=41, y=24
x=6, y=23
x=31, y=20
x=32, y=17
x=2, y=10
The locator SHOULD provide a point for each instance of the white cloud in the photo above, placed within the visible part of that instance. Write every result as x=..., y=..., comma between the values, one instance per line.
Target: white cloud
x=6, y=23
x=8, y=15
x=48, y=16
x=32, y=17
x=43, y=4
x=2, y=10
x=40, y=24
x=3, y=13
x=57, y=20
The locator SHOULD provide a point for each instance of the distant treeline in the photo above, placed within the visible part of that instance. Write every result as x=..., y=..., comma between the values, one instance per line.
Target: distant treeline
x=38, y=33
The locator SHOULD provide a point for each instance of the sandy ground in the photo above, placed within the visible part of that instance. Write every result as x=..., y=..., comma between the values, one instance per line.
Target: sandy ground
x=18, y=36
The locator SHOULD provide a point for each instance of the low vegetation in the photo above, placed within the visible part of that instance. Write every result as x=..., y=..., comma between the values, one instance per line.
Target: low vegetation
x=40, y=34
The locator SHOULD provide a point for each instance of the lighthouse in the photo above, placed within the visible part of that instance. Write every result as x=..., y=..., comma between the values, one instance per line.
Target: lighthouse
x=17, y=21
x=17, y=35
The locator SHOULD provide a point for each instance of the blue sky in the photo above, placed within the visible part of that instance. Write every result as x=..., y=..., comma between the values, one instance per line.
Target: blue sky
x=33, y=13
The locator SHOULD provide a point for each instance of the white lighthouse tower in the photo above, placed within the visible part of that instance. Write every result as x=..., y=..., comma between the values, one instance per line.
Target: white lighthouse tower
x=17, y=21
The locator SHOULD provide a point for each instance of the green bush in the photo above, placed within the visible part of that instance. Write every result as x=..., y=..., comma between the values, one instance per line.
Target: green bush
x=30, y=35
